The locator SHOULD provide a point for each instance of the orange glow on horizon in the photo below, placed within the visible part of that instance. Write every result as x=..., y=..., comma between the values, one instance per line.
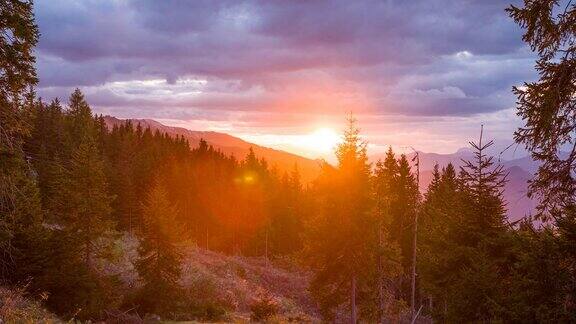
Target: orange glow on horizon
x=323, y=139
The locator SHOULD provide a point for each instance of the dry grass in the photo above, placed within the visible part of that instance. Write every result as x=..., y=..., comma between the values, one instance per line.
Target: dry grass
x=233, y=283
x=237, y=282
x=16, y=308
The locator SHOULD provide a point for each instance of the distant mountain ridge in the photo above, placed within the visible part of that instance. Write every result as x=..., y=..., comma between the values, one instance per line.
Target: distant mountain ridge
x=519, y=171
x=230, y=145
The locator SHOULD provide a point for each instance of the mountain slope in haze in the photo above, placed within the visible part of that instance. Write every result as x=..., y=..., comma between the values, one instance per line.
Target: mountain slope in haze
x=519, y=172
x=515, y=193
x=230, y=145
x=427, y=160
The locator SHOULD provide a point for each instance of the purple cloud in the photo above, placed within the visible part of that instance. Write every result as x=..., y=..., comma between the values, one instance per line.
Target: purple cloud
x=415, y=58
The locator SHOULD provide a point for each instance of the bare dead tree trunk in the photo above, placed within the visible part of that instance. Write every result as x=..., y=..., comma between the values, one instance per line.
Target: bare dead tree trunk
x=88, y=256
x=130, y=219
x=413, y=292
x=234, y=243
x=413, y=295
x=381, y=297
x=207, y=246
x=353, y=301
x=266, y=247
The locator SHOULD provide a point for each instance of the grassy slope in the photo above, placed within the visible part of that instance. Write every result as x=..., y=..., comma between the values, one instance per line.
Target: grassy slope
x=233, y=282
x=16, y=308
x=239, y=281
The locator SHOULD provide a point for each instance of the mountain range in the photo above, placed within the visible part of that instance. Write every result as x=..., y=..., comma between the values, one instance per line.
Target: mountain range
x=230, y=145
x=519, y=170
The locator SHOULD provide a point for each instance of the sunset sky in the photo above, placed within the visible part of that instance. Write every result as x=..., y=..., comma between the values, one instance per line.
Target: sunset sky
x=285, y=73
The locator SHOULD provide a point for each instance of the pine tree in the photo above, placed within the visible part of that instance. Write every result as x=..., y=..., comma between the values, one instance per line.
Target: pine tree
x=159, y=262
x=20, y=35
x=435, y=183
x=80, y=122
x=252, y=222
x=286, y=219
x=343, y=235
x=389, y=259
x=482, y=239
x=465, y=242
x=547, y=106
x=547, y=109
x=47, y=147
x=19, y=204
x=485, y=184
x=120, y=149
x=403, y=207
x=440, y=222
x=87, y=208
x=84, y=197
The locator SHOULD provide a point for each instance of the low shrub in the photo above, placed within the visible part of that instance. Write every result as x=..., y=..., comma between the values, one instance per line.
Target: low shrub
x=16, y=308
x=263, y=308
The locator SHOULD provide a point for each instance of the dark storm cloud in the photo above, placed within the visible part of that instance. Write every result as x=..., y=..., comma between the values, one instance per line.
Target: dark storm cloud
x=434, y=57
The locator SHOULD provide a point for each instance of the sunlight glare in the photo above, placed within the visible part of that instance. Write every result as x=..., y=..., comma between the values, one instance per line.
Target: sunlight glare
x=323, y=139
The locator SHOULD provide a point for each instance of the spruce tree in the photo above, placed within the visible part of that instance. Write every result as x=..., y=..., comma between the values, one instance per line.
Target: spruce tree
x=87, y=205
x=405, y=207
x=547, y=106
x=84, y=199
x=81, y=124
x=440, y=222
x=286, y=215
x=478, y=286
x=403, y=198
x=388, y=253
x=484, y=182
x=159, y=262
x=17, y=41
x=549, y=132
x=47, y=147
x=19, y=204
x=343, y=236
x=465, y=242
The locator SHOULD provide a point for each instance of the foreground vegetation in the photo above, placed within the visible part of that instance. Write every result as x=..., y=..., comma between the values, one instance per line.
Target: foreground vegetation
x=99, y=222
x=215, y=287
x=15, y=307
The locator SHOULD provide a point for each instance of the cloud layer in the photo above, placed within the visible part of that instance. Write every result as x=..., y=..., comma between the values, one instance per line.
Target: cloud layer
x=279, y=65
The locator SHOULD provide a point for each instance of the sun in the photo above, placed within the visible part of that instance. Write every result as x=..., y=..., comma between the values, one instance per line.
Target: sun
x=323, y=139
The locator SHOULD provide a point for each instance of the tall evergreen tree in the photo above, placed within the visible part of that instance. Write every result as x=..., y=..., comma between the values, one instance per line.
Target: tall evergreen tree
x=81, y=124
x=84, y=198
x=286, y=208
x=344, y=235
x=547, y=106
x=389, y=259
x=484, y=183
x=440, y=222
x=159, y=263
x=465, y=242
x=482, y=240
x=47, y=148
x=19, y=204
x=549, y=133
x=87, y=206
x=404, y=209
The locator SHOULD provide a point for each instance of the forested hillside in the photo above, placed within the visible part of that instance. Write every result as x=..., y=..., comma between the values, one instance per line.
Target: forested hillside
x=518, y=175
x=230, y=145
x=122, y=222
